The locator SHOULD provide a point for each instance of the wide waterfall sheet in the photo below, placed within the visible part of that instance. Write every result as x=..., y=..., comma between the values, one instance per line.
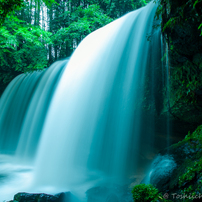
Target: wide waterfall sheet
x=83, y=126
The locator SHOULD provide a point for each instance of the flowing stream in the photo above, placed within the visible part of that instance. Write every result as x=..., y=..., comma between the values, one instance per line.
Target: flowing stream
x=88, y=120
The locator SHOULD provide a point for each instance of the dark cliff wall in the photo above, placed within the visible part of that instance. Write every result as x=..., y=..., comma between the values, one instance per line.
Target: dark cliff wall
x=181, y=21
x=181, y=29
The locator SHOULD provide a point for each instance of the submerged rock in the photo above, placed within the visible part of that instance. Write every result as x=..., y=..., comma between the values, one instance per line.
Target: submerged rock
x=41, y=197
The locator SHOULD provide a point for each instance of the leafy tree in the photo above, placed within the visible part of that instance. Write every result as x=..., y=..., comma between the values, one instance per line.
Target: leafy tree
x=7, y=7
x=71, y=21
x=22, y=49
x=117, y=8
x=84, y=21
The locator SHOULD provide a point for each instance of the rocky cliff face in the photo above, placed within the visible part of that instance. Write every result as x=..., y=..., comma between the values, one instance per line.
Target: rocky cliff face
x=180, y=25
x=181, y=28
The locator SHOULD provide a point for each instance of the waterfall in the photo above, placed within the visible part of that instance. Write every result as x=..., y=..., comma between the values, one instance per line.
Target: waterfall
x=91, y=120
x=23, y=109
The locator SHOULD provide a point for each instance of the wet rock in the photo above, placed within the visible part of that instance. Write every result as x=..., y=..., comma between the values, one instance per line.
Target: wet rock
x=41, y=197
x=162, y=169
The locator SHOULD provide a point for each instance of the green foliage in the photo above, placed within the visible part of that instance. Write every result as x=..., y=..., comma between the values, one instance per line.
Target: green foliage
x=186, y=180
x=181, y=22
x=196, y=2
x=22, y=49
x=72, y=22
x=200, y=27
x=84, y=21
x=190, y=180
x=186, y=80
x=181, y=13
x=146, y=193
x=9, y=6
x=118, y=8
x=171, y=23
x=196, y=135
x=49, y=2
x=191, y=173
x=25, y=43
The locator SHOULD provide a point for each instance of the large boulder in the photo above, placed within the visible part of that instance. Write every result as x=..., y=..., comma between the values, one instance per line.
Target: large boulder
x=162, y=169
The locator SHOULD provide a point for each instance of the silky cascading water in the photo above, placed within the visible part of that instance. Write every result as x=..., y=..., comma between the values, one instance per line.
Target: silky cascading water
x=91, y=119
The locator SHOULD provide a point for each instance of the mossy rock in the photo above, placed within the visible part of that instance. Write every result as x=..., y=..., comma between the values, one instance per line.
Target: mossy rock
x=186, y=178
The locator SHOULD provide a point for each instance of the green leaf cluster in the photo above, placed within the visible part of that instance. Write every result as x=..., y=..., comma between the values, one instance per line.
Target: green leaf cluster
x=190, y=174
x=146, y=193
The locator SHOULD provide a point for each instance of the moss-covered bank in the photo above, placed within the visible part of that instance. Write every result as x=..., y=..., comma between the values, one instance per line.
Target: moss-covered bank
x=186, y=179
x=177, y=180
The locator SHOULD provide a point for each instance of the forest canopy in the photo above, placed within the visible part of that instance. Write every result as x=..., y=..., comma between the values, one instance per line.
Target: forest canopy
x=35, y=33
